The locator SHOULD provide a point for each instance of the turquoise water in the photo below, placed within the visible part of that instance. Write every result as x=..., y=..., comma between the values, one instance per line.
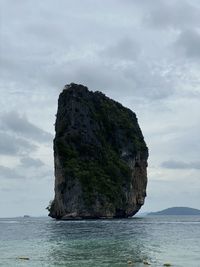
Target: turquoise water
x=99, y=243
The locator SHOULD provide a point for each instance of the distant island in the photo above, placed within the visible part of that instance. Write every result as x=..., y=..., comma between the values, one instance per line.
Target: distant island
x=176, y=211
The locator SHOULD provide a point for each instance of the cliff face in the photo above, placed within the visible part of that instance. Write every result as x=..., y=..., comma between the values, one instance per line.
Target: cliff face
x=100, y=157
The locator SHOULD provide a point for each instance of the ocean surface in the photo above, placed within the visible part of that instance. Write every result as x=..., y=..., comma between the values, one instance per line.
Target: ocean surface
x=96, y=243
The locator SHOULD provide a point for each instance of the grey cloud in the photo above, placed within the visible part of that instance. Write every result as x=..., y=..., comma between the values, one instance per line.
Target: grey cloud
x=171, y=164
x=9, y=173
x=11, y=145
x=147, y=80
x=27, y=162
x=84, y=53
x=124, y=49
x=46, y=38
x=172, y=14
x=136, y=78
x=188, y=44
x=21, y=126
x=94, y=74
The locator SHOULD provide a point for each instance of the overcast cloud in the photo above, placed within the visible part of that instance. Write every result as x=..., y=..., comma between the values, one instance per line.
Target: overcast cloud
x=19, y=125
x=172, y=164
x=8, y=173
x=144, y=54
x=28, y=162
x=11, y=145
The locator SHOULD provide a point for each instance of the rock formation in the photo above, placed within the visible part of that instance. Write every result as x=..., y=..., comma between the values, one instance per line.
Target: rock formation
x=100, y=157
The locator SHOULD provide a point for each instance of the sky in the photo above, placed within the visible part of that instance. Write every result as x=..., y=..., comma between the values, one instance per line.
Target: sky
x=144, y=54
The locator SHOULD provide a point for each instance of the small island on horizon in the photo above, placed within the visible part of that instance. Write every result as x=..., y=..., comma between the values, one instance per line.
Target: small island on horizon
x=176, y=211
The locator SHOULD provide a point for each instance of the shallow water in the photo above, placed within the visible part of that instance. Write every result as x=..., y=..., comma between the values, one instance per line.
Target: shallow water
x=101, y=243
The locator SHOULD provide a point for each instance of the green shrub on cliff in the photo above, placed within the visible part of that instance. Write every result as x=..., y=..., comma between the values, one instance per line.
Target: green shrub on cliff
x=105, y=174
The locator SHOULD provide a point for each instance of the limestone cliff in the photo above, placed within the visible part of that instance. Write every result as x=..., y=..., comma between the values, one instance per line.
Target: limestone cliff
x=100, y=157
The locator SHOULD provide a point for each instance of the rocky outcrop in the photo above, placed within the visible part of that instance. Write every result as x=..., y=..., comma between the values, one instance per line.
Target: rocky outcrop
x=100, y=157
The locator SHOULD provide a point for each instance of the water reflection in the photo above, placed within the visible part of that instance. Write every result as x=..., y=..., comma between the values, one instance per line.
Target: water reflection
x=98, y=242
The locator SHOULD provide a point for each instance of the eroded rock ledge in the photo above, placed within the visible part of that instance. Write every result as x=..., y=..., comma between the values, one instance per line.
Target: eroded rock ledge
x=100, y=157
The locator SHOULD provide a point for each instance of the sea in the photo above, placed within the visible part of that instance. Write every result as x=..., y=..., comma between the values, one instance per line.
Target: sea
x=136, y=242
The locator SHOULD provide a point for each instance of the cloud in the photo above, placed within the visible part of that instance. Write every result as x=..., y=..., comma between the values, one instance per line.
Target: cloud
x=115, y=74
x=27, y=162
x=20, y=125
x=12, y=146
x=8, y=173
x=171, y=164
x=171, y=14
x=125, y=49
x=90, y=52
x=188, y=43
x=148, y=81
